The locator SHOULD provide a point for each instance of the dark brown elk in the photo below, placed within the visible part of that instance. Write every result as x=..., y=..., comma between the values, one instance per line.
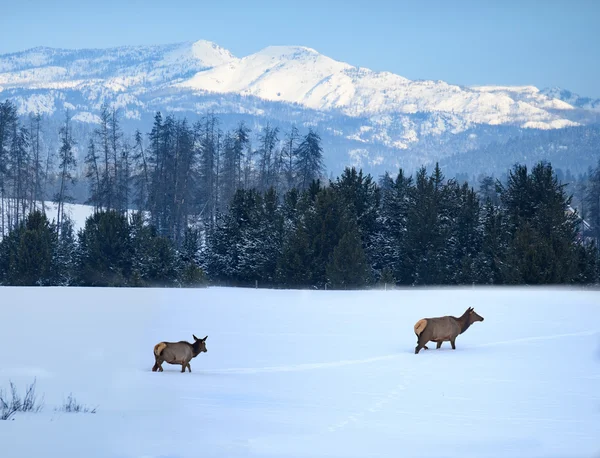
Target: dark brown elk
x=443, y=329
x=180, y=352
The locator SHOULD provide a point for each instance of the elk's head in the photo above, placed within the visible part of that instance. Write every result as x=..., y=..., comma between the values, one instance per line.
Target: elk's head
x=474, y=316
x=199, y=345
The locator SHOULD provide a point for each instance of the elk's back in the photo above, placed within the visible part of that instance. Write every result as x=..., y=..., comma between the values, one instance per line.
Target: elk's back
x=443, y=327
x=176, y=351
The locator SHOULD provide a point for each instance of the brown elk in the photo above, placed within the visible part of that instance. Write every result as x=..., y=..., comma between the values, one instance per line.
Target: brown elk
x=180, y=352
x=443, y=329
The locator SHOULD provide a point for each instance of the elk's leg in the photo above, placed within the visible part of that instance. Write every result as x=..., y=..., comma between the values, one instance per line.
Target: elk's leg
x=189, y=367
x=452, y=343
x=424, y=346
x=421, y=344
x=439, y=344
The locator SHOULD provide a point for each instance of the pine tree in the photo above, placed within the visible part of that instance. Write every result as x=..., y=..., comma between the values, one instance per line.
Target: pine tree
x=190, y=272
x=141, y=177
x=104, y=250
x=347, y=267
x=309, y=160
x=543, y=231
x=67, y=164
x=289, y=153
x=267, y=160
x=28, y=253
x=389, y=241
x=92, y=173
x=19, y=171
x=8, y=124
x=592, y=203
x=490, y=266
x=66, y=254
x=37, y=187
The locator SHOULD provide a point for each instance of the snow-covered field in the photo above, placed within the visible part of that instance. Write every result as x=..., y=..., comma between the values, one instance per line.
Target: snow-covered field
x=303, y=373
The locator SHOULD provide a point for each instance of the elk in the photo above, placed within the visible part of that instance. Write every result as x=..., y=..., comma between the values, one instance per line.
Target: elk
x=180, y=352
x=443, y=329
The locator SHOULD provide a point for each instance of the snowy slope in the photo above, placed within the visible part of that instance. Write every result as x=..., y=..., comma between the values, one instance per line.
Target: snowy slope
x=304, y=373
x=303, y=76
x=573, y=99
x=78, y=213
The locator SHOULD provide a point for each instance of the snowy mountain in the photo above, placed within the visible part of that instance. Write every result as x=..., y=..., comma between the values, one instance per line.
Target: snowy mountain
x=366, y=118
x=572, y=99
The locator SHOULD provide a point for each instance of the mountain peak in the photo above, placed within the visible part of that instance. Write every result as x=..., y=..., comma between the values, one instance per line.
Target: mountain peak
x=211, y=53
x=281, y=51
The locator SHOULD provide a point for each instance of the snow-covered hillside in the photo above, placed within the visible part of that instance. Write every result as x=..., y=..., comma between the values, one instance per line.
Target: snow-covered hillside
x=303, y=76
x=573, y=99
x=303, y=373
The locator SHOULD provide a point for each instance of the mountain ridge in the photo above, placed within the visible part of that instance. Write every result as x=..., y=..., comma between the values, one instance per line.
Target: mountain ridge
x=380, y=118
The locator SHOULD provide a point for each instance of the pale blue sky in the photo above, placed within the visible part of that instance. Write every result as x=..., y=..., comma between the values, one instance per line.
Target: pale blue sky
x=543, y=43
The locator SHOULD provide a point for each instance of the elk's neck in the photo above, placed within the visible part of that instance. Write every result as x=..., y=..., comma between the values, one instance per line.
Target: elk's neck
x=464, y=322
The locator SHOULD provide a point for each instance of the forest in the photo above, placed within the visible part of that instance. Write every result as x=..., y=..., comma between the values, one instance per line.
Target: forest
x=192, y=205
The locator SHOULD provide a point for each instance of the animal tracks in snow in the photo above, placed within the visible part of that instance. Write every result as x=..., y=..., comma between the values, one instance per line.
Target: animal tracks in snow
x=301, y=367
x=379, y=404
x=536, y=338
x=350, y=362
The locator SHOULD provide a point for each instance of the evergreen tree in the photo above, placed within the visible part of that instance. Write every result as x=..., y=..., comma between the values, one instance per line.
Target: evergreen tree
x=491, y=267
x=8, y=126
x=267, y=164
x=543, y=233
x=466, y=234
x=190, y=272
x=141, y=177
x=361, y=196
x=66, y=254
x=592, y=203
x=347, y=267
x=20, y=172
x=429, y=227
x=105, y=251
x=92, y=173
x=28, y=253
x=309, y=160
x=37, y=186
x=289, y=153
x=67, y=164
x=389, y=241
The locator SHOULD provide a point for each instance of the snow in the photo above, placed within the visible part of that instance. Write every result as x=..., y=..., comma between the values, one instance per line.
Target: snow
x=303, y=373
x=77, y=212
x=573, y=99
x=303, y=76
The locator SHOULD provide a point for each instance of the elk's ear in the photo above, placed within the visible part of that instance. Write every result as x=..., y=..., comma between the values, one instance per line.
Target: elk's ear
x=195, y=338
x=205, y=338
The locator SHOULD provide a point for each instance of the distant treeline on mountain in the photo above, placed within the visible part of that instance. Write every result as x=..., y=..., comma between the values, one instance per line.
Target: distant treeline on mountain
x=571, y=150
x=192, y=204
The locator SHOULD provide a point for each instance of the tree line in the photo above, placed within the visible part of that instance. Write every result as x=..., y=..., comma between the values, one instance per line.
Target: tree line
x=191, y=204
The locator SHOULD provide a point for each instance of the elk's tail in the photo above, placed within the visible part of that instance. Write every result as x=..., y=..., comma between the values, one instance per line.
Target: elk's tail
x=158, y=348
x=420, y=326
